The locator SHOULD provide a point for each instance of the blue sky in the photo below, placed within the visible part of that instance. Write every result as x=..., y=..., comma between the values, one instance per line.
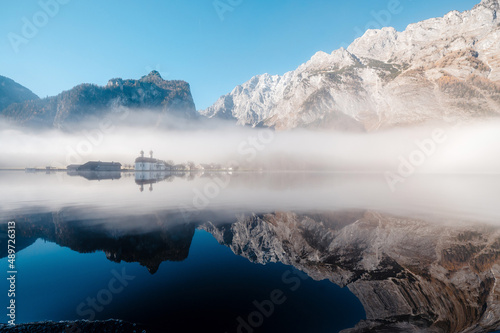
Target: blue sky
x=213, y=45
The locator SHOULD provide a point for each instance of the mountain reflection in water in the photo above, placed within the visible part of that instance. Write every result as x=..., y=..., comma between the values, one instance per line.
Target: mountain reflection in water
x=412, y=269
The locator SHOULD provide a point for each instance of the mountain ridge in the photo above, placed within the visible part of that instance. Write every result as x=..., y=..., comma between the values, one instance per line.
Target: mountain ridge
x=85, y=100
x=445, y=69
x=12, y=92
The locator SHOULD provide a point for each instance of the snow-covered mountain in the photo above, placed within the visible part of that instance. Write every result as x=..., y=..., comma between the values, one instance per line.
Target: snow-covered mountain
x=444, y=68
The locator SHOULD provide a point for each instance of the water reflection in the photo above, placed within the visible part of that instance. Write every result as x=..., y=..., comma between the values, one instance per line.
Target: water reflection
x=150, y=248
x=408, y=273
x=151, y=177
x=96, y=175
x=412, y=264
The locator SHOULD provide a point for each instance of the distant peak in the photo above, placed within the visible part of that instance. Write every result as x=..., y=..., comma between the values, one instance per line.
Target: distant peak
x=155, y=73
x=493, y=4
x=153, y=76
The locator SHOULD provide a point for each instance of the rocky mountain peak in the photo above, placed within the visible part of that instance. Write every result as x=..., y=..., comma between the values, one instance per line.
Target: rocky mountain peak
x=376, y=43
x=337, y=59
x=490, y=3
x=155, y=78
x=153, y=75
x=151, y=92
x=442, y=69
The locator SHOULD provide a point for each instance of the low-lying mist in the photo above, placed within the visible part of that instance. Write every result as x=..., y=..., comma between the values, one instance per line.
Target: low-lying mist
x=430, y=148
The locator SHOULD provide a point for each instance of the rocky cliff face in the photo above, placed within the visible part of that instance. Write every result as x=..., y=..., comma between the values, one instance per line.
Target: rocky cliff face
x=410, y=275
x=150, y=93
x=445, y=69
x=12, y=92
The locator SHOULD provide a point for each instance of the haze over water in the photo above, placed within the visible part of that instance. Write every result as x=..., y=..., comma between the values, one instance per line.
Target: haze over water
x=201, y=249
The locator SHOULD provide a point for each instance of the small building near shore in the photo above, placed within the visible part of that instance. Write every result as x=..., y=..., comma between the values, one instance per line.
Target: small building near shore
x=97, y=166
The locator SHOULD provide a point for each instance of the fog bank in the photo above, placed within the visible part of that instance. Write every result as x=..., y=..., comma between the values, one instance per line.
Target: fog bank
x=470, y=148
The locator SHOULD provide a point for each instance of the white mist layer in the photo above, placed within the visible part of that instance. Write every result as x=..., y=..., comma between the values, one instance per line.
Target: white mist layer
x=471, y=148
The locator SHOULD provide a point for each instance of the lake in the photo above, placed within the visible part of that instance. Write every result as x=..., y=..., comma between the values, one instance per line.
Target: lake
x=254, y=252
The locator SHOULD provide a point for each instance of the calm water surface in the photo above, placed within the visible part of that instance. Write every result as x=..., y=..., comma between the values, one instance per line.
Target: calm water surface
x=245, y=252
